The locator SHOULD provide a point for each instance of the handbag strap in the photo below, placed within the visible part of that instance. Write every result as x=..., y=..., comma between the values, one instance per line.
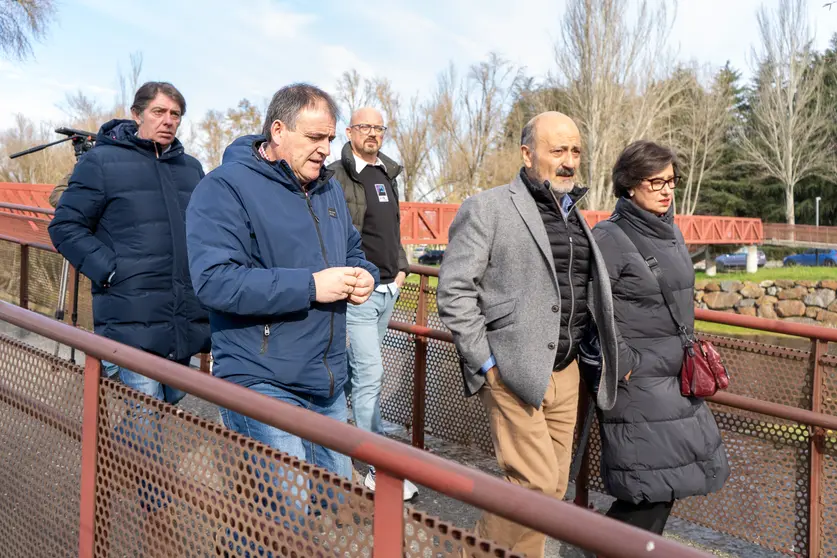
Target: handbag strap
x=647, y=254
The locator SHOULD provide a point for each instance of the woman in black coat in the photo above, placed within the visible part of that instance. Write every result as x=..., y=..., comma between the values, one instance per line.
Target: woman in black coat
x=657, y=445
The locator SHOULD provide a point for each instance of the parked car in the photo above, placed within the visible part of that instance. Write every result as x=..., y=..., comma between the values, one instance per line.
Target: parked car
x=812, y=257
x=738, y=259
x=431, y=257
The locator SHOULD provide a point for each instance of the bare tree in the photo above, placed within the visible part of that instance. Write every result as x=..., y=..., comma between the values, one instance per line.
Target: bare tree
x=85, y=113
x=613, y=73
x=409, y=129
x=44, y=167
x=21, y=22
x=467, y=117
x=128, y=85
x=214, y=138
x=787, y=136
x=243, y=120
x=218, y=129
x=698, y=128
x=354, y=92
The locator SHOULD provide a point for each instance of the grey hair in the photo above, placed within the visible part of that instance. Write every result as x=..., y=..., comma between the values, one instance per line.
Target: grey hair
x=291, y=100
x=148, y=92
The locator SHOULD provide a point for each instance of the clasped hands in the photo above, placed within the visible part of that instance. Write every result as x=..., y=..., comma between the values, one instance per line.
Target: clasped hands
x=353, y=284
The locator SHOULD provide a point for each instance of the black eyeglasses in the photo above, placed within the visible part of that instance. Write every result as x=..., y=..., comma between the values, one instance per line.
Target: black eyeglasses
x=366, y=128
x=657, y=184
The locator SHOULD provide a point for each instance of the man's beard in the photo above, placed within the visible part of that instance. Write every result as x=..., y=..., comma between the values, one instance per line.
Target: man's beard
x=369, y=149
x=559, y=184
x=561, y=187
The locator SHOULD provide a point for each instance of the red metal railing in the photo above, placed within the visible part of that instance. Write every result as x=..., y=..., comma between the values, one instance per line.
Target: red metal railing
x=115, y=477
x=393, y=461
x=432, y=401
x=800, y=233
x=428, y=223
x=820, y=540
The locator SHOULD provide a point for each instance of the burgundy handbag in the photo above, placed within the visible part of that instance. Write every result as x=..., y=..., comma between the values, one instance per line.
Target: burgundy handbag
x=702, y=373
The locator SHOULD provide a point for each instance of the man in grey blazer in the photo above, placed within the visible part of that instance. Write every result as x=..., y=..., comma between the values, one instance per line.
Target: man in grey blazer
x=521, y=283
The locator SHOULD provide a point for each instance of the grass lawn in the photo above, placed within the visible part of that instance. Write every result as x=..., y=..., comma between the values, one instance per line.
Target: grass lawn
x=764, y=274
x=732, y=331
x=773, y=273
x=431, y=281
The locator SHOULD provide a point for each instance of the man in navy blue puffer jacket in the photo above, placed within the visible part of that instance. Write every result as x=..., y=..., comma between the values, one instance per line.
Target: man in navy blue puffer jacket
x=121, y=223
x=275, y=258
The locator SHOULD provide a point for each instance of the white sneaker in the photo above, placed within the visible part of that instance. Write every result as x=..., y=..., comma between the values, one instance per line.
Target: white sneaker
x=410, y=490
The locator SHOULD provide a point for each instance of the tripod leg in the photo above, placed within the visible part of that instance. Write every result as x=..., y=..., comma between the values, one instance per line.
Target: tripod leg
x=74, y=316
x=62, y=297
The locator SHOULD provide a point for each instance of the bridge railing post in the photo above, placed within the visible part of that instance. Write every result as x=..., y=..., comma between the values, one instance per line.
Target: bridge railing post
x=89, y=449
x=752, y=258
x=817, y=440
x=420, y=367
x=711, y=267
x=388, y=523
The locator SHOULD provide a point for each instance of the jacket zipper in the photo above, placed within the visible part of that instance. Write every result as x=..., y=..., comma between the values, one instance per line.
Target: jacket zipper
x=569, y=270
x=331, y=320
x=572, y=295
x=265, y=338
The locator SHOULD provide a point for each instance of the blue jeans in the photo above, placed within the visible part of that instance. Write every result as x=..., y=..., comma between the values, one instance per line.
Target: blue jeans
x=366, y=325
x=143, y=384
x=332, y=407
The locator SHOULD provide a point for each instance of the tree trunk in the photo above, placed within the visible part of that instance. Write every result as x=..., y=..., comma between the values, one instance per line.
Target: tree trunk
x=789, y=213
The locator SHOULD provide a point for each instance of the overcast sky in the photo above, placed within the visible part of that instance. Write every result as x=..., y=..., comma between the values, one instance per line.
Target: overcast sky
x=219, y=52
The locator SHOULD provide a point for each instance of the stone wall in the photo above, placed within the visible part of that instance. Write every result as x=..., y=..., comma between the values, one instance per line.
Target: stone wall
x=810, y=302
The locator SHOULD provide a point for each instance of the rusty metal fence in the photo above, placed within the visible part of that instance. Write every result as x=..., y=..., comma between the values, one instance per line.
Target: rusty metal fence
x=201, y=486
x=782, y=494
x=89, y=468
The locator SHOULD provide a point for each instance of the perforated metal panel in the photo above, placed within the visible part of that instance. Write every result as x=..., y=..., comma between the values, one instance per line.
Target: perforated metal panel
x=767, y=372
x=40, y=453
x=170, y=484
x=10, y=272
x=766, y=498
x=426, y=536
x=44, y=280
x=448, y=413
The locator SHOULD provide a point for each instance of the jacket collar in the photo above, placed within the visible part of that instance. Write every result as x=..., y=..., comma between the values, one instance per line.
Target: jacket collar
x=347, y=159
x=541, y=193
x=645, y=222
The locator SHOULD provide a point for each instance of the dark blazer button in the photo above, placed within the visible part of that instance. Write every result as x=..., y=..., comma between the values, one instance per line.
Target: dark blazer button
x=555, y=308
x=551, y=346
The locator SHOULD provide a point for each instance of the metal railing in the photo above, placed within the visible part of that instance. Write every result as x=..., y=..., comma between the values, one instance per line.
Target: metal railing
x=428, y=223
x=93, y=467
x=778, y=421
x=800, y=233
x=138, y=446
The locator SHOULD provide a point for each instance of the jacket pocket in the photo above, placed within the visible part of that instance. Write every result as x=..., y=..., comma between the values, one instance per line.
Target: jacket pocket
x=500, y=315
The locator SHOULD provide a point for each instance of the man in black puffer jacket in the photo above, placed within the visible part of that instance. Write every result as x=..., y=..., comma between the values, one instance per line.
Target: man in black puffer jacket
x=121, y=223
x=571, y=255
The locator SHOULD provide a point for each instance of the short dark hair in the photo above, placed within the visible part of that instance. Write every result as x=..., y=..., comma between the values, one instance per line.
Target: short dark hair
x=148, y=92
x=637, y=162
x=291, y=100
x=527, y=136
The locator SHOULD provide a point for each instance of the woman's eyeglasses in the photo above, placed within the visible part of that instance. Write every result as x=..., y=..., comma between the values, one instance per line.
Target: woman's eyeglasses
x=657, y=184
